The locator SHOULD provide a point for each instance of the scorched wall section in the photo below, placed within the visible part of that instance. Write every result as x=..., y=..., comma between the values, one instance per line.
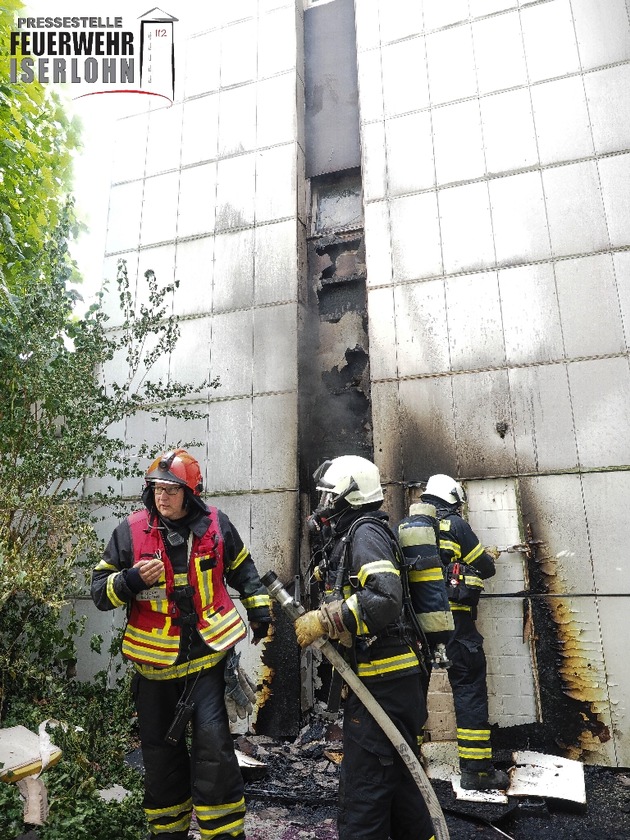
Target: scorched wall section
x=496, y=172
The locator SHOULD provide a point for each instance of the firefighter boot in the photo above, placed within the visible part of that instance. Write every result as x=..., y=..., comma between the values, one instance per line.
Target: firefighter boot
x=492, y=779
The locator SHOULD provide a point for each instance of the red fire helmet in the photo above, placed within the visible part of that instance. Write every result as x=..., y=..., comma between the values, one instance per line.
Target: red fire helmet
x=178, y=467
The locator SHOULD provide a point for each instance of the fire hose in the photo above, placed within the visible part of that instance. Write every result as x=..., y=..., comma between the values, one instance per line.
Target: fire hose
x=294, y=610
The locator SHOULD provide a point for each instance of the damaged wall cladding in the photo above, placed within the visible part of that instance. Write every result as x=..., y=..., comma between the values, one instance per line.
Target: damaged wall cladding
x=497, y=233
x=337, y=398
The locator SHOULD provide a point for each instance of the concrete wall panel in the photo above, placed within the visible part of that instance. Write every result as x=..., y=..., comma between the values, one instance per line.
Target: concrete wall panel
x=542, y=417
x=549, y=36
x=499, y=53
x=589, y=308
x=459, y=142
x=562, y=120
x=575, y=209
x=275, y=262
x=614, y=173
x=194, y=269
x=203, y=63
x=232, y=352
x=196, y=206
x=466, y=228
x=427, y=428
x=508, y=131
x=234, y=270
x=159, y=208
x=415, y=233
x=421, y=329
x=200, y=129
x=409, y=147
x=531, y=315
x=473, y=315
x=600, y=391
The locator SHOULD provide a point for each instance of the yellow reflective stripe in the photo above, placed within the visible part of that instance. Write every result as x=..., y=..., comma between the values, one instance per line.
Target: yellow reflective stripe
x=480, y=753
x=234, y=828
x=157, y=657
x=223, y=631
x=155, y=637
x=180, y=579
x=472, y=555
x=104, y=565
x=436, y=622
x=204, y=580
x=474, y=734
x=255, y=601
x=353, y=605
x=181, y=670
x=242, y=555
x=111, y=594
x=425, y=575
x=449, y=545
x=459, y=607
x=171, y=810
x=208, y=812
x=473, y=580
x=388, y=665
x=182, y=824
x=416, y=535
x=376, y=568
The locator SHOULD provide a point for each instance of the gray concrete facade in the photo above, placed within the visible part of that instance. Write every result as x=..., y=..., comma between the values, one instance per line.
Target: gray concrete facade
x=495, y=171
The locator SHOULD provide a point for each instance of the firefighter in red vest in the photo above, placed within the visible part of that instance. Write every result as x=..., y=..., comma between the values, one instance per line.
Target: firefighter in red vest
x=169, y=565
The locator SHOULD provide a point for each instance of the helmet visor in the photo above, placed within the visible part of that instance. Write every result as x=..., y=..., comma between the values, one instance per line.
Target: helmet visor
x=326, y=500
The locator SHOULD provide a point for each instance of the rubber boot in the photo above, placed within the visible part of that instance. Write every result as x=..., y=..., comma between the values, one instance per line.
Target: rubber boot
x=485, y=780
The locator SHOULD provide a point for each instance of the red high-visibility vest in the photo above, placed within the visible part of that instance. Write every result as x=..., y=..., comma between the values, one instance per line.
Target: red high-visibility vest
x=152, y=636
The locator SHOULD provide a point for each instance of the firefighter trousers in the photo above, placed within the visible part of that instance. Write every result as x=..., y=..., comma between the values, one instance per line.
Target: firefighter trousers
x=467, y=676
x=208, y=777
x=378, y=798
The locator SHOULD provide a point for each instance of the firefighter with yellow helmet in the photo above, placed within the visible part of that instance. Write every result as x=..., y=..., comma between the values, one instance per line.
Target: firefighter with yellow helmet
x=362, y=608
x=169, y=565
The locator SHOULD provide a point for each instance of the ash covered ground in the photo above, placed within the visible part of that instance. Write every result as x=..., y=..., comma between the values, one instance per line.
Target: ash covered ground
x=296, y=798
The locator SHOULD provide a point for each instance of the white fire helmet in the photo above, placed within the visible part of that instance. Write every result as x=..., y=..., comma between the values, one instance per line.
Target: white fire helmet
x=446, y=488
x=349, y=477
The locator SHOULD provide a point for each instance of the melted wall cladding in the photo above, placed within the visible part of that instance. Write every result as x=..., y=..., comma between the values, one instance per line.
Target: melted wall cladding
x=279, y=704
x=569, y=642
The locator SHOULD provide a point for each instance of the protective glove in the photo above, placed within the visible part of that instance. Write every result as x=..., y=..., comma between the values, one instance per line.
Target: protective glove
x=240, y=691
x=327, y=620
x=493, y=551
x=308, y=628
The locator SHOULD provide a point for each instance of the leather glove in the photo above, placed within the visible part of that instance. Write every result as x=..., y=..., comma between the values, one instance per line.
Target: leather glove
x=327, y=620
x=493, y=551
x=240, y=691
x=308, y=628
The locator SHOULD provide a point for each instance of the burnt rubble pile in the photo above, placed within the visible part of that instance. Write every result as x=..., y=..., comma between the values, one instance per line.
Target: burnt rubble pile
x=304, y=771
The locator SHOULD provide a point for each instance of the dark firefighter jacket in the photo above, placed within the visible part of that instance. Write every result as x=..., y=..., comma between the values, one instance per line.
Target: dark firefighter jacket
x=459, y=544
x=191, y=596
x=417, y=538
x=372, y=593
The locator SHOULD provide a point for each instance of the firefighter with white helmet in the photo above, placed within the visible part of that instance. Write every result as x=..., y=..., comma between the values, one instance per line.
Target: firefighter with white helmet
x=466, y=565
x=362, y=608
x=169, y=565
